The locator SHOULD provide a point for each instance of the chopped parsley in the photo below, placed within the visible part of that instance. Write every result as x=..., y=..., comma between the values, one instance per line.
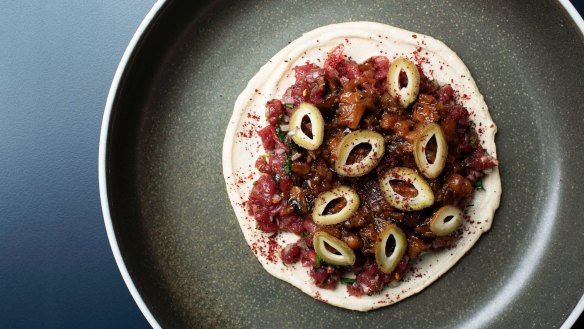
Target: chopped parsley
x=289, y=105
x=288, y=164
x=479, y=185
x=317, y=261
x=348, y=280
x=277, y=177
x=281, y=134
x=473, y=141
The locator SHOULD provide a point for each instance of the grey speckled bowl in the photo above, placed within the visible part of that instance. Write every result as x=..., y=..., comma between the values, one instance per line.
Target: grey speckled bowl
x=176, y=238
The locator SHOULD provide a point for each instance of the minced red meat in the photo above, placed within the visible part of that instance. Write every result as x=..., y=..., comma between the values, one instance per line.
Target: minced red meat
x=354, y=96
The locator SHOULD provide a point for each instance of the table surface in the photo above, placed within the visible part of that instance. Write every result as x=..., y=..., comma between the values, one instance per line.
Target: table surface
x=57, y=61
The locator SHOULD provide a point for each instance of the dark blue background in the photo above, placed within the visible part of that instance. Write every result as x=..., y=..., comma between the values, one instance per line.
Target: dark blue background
x=57, y=60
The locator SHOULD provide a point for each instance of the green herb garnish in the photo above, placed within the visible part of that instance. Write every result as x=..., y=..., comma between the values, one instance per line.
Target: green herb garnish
x=288, y=164
x=277, y=177
x=347, y=280
x=479, y=185
x=304, y=234
x=281, y=134
x=317, y=261
x=473, y=142
x=289, y=105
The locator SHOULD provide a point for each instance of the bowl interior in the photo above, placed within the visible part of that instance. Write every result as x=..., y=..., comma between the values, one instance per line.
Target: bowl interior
x=174, y=224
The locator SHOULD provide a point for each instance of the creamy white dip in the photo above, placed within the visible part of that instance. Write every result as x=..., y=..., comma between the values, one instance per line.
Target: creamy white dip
x=361, y=40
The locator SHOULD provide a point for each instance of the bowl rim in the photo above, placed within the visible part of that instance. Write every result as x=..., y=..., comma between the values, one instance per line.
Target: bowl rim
x=102, y=158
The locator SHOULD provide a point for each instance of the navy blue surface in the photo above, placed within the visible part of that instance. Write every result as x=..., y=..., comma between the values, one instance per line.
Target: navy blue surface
x=579, y=4
x=57, y=60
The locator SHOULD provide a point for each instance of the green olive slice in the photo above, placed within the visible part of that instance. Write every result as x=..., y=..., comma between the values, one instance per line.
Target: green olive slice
x=343, y=255
x=423, y=199
x=365, y=165
x=406, y=94
x=323, y=199
x=386, y=262
x=430, y=170
x=446, y=220
x=317, y=130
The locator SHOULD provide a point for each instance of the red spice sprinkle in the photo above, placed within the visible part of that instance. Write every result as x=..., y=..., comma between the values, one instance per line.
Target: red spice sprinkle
x=246, y=134
x=317, y=296
x=414, y=36
x=273, y=248
x=253, y=116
